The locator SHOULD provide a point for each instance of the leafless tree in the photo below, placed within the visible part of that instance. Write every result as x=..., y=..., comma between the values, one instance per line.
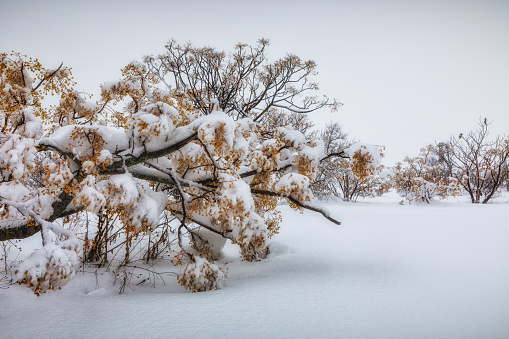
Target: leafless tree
x=335, y=176
x=335, y=142
x=479, y=165
x=242, y=83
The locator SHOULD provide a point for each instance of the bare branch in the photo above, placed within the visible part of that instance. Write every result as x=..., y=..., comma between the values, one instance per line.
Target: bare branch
x=302, y=204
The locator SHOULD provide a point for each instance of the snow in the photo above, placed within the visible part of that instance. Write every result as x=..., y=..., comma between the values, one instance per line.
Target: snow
x=219, y=123
x=295, y=185
x=372, y=150
x=390, y=271
x=51, y=267
x=17, y=156
x=153, y=123
x=292, y=137
x=32, y=128
x=89, y=196
x=115, y=139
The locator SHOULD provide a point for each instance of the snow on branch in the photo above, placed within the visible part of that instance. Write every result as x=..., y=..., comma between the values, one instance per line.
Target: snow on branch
x=304, y=204
x=215, y=153
x=52, y=266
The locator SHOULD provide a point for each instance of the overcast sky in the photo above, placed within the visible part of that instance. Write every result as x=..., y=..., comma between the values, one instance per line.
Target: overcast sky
x=408, y=72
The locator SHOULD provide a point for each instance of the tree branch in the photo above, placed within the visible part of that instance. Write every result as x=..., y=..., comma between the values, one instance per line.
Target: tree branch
x=302, y=204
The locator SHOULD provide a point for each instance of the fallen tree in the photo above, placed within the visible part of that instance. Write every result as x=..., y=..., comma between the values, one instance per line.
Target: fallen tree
x=218, y=175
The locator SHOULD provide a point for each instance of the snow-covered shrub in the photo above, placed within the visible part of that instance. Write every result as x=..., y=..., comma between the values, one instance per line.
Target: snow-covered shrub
x=199, y=275
x=48, y=268
x=365, y=159
x=424, y=177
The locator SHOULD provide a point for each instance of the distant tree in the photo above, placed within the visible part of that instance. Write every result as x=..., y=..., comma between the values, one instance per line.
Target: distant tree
x=506, y=169
x=342, y=173
x=142, y=155
x=479, y=165
x=424, y=177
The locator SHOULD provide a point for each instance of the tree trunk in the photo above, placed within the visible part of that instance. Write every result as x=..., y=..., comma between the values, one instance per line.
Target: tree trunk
x=21, y=232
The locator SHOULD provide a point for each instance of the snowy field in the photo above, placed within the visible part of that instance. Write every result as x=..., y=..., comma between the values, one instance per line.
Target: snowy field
x=390, y=271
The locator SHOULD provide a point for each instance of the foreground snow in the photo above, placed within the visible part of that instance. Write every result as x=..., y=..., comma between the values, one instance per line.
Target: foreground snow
x=412, y=271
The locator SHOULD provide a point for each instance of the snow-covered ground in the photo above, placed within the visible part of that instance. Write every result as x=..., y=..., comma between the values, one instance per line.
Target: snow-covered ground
x=390, y=271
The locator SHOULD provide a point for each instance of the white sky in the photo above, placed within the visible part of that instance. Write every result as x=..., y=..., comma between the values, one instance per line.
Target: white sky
x=408, y=72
